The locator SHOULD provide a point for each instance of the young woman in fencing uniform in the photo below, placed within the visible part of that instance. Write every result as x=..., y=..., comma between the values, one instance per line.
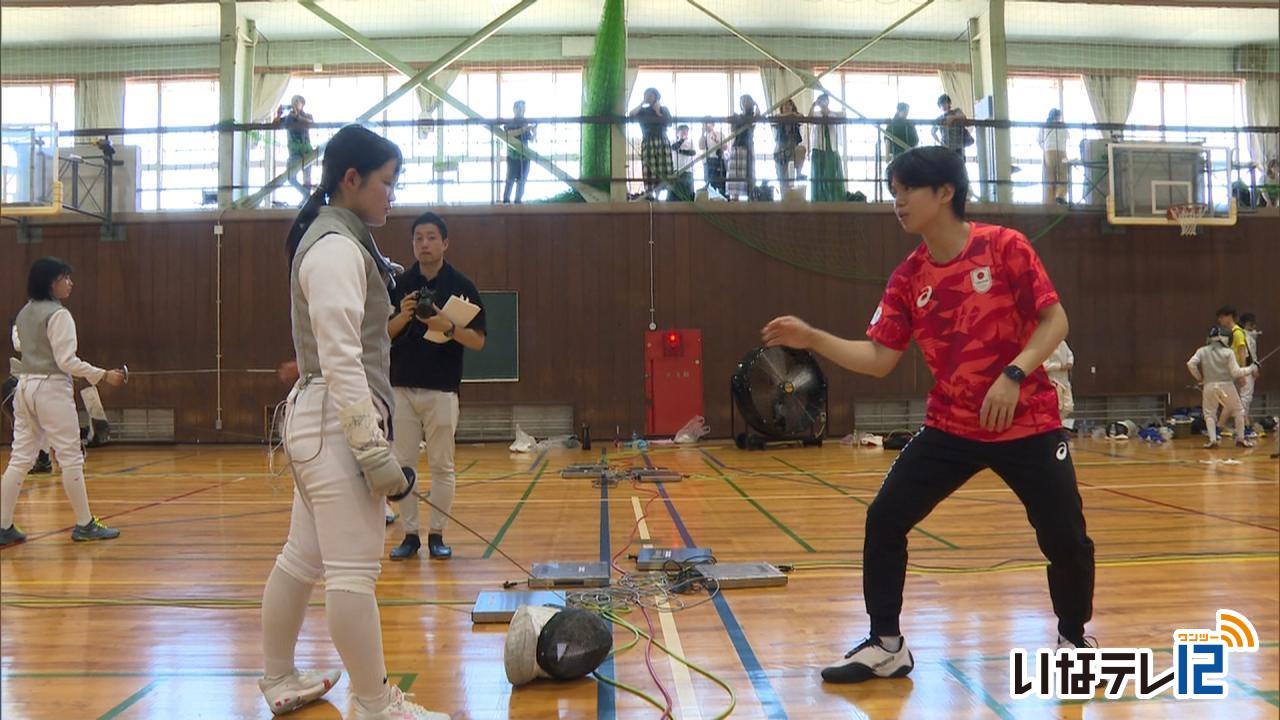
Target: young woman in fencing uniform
x=43, y=404
x=1216, y=368
x=335, y=434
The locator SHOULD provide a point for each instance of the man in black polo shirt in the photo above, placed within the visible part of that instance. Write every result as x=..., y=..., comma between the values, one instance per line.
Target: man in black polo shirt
x=425, y=377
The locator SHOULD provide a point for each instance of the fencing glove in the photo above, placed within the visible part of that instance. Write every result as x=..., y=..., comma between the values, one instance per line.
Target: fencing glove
x=383, y=475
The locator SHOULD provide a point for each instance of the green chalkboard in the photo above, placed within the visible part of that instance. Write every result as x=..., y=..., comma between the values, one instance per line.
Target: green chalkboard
x=499, y=361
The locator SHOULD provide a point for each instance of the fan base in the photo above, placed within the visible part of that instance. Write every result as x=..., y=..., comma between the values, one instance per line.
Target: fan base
x=751, y=441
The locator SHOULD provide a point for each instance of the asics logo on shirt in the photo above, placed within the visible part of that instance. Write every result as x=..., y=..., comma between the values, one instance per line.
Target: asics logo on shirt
x=923, y=298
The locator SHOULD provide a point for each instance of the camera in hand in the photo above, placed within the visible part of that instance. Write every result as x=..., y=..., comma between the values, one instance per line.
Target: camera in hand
x=425, y=309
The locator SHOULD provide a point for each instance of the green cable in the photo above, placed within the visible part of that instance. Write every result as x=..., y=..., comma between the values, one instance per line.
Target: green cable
x=733, y=699
x=634, y=691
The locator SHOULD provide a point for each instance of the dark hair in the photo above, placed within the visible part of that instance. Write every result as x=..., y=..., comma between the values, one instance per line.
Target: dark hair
x=682, y=126
x=903, y=107
x=944, y=98
x=1226, y=310
x=657, y=95
x=352, y=148
x=430, y=218
x=932, y=166
x=1247, y=318
x=1054, y=115
x=44, y=272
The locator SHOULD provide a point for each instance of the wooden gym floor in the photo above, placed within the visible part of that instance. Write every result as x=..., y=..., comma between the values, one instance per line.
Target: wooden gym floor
x=164, y=623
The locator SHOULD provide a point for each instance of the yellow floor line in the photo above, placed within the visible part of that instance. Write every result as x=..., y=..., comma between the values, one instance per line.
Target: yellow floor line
x=687, y=700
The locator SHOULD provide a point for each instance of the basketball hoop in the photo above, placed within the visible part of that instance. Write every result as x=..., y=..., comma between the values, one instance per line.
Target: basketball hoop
x=1187, y=215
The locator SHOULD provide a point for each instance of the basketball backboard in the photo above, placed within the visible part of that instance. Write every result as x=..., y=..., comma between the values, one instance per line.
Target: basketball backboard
x=1148, y=178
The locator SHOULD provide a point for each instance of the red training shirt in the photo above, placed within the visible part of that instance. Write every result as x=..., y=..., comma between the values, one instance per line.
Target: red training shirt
x=971, y=317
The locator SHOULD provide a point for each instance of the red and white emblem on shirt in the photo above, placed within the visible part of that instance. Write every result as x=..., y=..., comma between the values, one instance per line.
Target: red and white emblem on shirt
x=981, y=279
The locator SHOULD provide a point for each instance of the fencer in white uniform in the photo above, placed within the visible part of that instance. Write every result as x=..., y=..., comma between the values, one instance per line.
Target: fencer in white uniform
x=44, y=407
x=1216, y=368
x=335, y=435
x=1058, y=366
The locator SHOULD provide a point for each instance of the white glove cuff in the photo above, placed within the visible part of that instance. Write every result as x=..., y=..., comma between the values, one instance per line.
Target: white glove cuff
x=360, y=425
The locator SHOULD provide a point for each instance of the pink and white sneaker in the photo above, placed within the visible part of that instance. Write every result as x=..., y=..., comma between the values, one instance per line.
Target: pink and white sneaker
x=292, y=691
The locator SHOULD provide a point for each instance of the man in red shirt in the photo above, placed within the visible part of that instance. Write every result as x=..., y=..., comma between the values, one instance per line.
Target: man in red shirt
x=982, y=309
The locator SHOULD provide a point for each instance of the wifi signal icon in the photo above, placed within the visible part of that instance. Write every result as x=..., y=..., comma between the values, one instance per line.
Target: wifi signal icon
x=1236, y=631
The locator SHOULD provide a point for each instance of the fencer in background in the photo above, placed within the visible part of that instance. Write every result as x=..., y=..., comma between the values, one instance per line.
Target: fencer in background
x=1216, y=368
x=44, y=407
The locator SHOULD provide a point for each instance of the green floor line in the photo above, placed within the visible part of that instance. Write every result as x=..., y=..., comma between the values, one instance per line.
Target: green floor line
x=406, y=681
x=1272, y=696
x=497, y=539
x=864, y=503
x=781, y=526
x=131, y=700
x=978, y=691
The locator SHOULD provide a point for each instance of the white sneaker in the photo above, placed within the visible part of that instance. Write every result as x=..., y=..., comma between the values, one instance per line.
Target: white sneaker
x=399, y=709
x=293, y=691
x=1065, y=644
x=870, y=660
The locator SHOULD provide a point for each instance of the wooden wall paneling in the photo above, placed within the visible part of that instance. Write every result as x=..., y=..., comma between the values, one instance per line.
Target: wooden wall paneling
x=1139, y=300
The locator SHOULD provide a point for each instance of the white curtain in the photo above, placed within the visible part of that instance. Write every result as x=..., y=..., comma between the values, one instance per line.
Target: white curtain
x=959, y=85
x=268, y=91
x=1262, y=107
x=779, y=83
x=1110, y=96
x=427, y=102
x=99, y=103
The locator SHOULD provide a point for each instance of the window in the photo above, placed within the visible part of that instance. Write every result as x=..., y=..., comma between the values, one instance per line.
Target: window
x=547, y=94
x=177, y=167
x=40, y=104
x=462, y=162
x=876, y=95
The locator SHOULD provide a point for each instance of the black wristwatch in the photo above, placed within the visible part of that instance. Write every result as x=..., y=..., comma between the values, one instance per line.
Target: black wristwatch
x=1014, y=373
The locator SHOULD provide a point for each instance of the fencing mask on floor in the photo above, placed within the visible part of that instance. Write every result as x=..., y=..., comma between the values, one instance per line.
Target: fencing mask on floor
x=556, y=643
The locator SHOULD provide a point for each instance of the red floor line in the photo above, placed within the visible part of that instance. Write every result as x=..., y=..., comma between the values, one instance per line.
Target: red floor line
x=189, y=493
x=1178, y=507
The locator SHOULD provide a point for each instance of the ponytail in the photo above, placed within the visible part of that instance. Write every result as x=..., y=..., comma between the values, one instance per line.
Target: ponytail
x=353, y=147
x=310, y=209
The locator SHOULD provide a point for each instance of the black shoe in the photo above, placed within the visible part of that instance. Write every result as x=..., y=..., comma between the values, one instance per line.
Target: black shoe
x=437, y=548
x=43, y=464
x=407, y=548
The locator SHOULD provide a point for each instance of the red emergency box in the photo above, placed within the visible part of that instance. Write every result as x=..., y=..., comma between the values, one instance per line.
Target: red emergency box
x=672, y=379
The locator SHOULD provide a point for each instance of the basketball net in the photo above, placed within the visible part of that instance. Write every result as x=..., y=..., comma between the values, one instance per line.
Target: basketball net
x=1187, y=216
